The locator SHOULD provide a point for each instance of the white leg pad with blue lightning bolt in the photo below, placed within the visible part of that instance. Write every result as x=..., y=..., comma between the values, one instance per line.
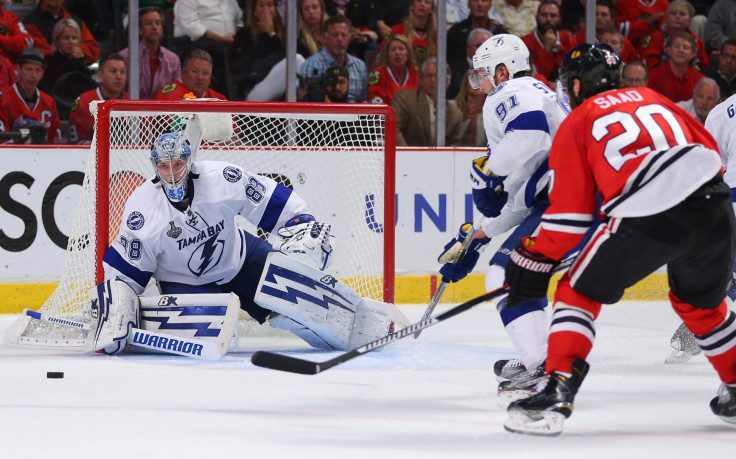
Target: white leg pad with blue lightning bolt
x=318, y=307
x=115, y=310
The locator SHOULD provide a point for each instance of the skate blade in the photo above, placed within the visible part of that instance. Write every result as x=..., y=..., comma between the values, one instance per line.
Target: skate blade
x=677, y=357
x=549, y=424
x=728, y=419
x=505, y=397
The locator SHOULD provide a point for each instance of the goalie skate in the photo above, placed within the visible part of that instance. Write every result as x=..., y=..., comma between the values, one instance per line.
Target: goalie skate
x=684, y=346
x=545, y=412
x=724, y=404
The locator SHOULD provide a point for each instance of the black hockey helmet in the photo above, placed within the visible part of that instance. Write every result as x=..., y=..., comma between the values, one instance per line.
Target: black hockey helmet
x=598, y=68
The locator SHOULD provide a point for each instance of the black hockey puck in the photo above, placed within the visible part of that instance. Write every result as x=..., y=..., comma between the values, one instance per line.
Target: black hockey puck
x=55, y=374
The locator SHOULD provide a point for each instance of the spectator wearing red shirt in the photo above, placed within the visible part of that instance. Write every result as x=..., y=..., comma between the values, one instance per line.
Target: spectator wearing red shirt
x=112, y=75
x=676, y=79
x=638, y=18
x=40, y=24
x=14, y=37
x=396, y=69
x=548, y=45
x=22, y=105
x=420, y=29
x=679, y=15
x=196, y=76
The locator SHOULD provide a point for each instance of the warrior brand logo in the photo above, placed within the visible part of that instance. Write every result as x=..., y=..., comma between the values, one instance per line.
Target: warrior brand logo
x=232, y=174
x=135, y=220
x=206, y=256
x=167, y=344
x=174, y=231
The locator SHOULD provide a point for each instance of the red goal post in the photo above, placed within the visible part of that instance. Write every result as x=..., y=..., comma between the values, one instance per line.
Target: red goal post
x=347, y=149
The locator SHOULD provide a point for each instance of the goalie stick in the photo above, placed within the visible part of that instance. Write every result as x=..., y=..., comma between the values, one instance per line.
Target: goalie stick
x=194, y=348
x=289, y=364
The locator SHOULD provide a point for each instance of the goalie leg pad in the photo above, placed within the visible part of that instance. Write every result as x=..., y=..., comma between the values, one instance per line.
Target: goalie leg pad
x=374, y=320
x=115, y=309
x=318, y=301
x=211, y=317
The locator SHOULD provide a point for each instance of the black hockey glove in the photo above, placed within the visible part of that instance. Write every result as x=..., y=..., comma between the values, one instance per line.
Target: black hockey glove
x=527, y=274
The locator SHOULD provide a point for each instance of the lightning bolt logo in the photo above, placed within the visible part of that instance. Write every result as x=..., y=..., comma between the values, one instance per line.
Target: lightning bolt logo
x=327, y=296
x=206, y=256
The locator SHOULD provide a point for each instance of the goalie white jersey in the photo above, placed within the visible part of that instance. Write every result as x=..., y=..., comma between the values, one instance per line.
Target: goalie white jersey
x=202, y=243
x=521, y=116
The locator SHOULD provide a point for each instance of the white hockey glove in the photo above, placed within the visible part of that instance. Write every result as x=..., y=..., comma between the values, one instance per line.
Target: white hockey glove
x=303, y=234
x=115, y=310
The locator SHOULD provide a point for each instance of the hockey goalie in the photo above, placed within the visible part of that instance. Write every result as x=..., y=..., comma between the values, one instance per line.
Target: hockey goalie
x=179, y=228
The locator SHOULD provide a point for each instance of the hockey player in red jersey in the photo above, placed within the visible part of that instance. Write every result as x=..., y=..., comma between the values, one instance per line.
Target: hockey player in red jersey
x=22, y=105
x=664, y=202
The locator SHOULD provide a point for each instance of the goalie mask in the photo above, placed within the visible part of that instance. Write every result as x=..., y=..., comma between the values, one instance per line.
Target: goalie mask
x=505, y=49
x=172, y=159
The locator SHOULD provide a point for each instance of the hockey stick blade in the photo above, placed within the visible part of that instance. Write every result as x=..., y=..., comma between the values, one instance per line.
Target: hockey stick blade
x=289, y=364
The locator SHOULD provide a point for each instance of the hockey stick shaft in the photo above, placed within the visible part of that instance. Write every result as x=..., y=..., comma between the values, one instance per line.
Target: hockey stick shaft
x=307, y=367
x=194, y=348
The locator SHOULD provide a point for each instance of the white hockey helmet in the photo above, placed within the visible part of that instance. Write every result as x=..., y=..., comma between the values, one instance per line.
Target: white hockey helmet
x=505, y=49
x=169, y=148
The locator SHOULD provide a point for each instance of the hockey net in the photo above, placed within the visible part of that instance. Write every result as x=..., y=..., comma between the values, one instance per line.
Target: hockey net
x=339, y=158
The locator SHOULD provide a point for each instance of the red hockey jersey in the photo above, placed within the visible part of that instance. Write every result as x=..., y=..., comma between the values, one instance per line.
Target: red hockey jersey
x=14, y=37
x=382, y=84
x=619, y=145
x=13, y=107
x=419, y=41
x=81, y=122
x=631, y=15
x=545, y=62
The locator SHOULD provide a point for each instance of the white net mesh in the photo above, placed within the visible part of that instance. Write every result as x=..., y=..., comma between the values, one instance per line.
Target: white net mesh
x=335, y=158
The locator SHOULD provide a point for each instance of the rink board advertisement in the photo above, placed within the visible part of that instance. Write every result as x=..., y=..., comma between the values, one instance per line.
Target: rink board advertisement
x=40, y=187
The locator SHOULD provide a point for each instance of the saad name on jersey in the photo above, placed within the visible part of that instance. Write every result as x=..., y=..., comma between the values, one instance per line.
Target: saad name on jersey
x=610, y=100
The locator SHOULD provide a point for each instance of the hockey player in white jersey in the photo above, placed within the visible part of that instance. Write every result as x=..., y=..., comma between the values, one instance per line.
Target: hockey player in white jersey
x=721, y=123
x=521, y=115
x=179, y=228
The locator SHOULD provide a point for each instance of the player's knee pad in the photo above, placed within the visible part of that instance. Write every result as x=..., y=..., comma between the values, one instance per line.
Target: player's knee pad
x=115, y=309
x=527, y=307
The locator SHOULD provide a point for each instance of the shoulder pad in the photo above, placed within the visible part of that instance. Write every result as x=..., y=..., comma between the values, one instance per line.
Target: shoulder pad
x=168, y=89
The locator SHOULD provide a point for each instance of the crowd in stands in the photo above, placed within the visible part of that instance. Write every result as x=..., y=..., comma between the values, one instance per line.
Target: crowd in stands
x=56, y=56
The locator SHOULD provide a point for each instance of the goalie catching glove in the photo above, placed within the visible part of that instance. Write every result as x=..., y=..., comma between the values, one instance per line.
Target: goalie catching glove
x=527, y=274
x=457, y=263
x=302, y=234
x=488, y=194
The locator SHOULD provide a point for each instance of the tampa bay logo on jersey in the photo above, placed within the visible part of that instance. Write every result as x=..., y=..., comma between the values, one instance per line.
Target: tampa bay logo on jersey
x=232, y=174
x=206, y=256
x=135, y=220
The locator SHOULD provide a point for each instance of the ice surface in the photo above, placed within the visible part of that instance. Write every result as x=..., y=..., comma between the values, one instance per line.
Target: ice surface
x=425, y=398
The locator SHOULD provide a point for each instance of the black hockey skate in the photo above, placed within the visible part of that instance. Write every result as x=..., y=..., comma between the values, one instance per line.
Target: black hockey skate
x=684, y=346
x=545, y=412
x=724, y=405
